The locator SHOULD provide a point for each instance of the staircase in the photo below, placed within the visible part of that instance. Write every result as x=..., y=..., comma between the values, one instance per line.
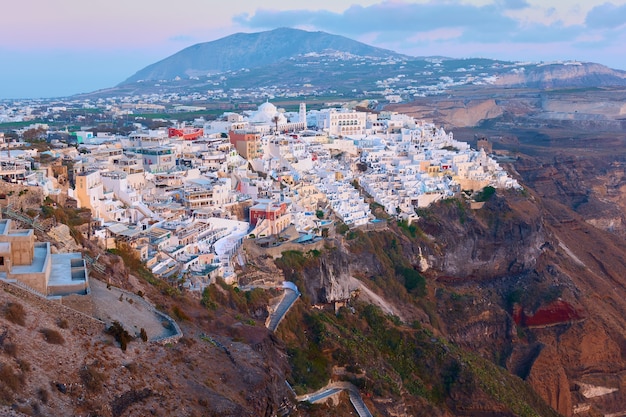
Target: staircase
x=93, y=263
x=16, y=215
x=359, y=405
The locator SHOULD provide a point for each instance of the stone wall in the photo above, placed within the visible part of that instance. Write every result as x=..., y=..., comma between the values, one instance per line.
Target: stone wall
x=77, y=321
x=277, y=251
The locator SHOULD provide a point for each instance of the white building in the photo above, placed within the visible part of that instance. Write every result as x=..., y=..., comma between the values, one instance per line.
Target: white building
x=342, y=122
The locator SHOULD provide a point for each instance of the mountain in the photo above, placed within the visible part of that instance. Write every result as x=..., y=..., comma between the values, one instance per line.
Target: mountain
x=567, y=74
x=294, y=62
x=252, y=50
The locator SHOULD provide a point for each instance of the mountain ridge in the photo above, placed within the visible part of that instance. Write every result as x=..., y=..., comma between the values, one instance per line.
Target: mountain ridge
x=251, y=50
x=294, y=62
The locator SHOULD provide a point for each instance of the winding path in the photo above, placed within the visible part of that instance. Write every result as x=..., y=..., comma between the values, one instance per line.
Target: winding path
x=334, y=388
x=290, y=295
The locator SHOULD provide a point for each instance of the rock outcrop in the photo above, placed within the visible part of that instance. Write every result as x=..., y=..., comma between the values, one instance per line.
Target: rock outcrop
x=501, y=239
x=548, y=379
x=559, y=75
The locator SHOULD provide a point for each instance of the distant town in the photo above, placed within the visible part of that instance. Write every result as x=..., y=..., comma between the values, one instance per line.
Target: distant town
x=184, y=196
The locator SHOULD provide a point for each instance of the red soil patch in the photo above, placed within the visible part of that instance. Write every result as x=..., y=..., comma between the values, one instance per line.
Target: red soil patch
x=554, y=313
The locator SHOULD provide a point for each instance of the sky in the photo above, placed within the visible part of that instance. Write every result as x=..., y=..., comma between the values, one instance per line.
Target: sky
x=64, y=47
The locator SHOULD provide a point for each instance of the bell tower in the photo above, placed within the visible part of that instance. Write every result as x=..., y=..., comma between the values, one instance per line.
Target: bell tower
x=303, y=114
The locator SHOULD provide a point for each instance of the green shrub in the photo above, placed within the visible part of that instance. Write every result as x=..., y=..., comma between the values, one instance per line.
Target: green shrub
x=409, y=229
x=485, y=194
x=414, y=282
x=291, y=259
x=310, y=368
x=342, y=228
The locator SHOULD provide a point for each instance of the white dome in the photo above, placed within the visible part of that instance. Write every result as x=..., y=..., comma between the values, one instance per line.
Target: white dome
x=267, y=107
x=266, y=113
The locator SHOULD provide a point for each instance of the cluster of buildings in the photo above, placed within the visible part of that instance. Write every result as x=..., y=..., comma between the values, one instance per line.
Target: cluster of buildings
x=31, y=264
x=184, y=198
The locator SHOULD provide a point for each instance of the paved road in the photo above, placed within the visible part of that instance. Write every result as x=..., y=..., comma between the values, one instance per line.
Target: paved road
x=285, y=304
x=324, y=394
x=335, y=387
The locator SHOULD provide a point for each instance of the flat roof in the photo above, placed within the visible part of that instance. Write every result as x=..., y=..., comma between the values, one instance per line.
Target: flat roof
x=40, y=253
x=61, y=271
x=22, y=232
x=4, y=226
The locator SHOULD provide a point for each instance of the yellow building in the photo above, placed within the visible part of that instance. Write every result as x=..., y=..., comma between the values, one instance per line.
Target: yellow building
x=89, y=191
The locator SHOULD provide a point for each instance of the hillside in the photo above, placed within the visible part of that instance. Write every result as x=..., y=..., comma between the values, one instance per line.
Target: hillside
x=252, y=50
x=515, y=309
x=57, y=361
x=292, y=62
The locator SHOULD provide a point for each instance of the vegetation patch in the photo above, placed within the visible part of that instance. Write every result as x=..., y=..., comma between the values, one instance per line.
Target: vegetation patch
x=385, y=358
x=221, y=294
x=15, y=313
x=120, y=334
x=485, y=194
x=410, y=230
x=414, y=282
x=52, y=336
x=91, y=377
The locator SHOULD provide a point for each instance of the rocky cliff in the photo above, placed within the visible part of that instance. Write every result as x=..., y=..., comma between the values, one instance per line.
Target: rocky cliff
x=578, y=74
x=514, y=281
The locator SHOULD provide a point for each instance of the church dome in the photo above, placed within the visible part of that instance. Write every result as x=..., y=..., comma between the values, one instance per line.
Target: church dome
x=266, y=113
x=268, y=108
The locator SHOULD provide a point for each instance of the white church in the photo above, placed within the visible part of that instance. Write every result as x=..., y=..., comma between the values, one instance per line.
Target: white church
x=269, y=119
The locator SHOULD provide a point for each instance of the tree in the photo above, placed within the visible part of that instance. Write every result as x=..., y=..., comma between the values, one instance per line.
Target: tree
x=37, y=134
x=485, y=194
x=275, y=119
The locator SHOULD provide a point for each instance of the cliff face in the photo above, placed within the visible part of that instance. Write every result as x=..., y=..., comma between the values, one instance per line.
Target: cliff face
x=457, y=112
x=515, y=281
x=331, y=281
x=560, y=75
x=545, y=303
x=549, y=382
x=500, y=239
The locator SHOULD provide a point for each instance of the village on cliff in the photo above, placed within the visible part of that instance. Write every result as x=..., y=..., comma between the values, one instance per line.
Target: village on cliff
x=185, y=197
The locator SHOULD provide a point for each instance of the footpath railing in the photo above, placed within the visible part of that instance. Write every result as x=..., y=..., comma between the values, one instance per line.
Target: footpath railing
x=332, y=389
x=16, y=215
x=94, y=264
x=290, y=296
